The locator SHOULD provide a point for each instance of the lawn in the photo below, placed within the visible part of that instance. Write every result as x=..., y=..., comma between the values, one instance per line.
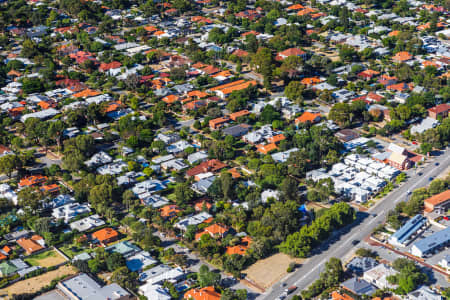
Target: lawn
x=45, y=259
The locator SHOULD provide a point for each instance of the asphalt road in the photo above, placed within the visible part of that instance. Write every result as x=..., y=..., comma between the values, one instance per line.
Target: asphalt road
x=310, y=270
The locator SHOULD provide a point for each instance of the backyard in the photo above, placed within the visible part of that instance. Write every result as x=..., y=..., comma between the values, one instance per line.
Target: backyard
x=45, y=259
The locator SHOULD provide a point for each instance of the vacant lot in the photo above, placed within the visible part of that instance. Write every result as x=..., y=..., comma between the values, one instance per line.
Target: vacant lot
x=277, y=264
x=45, y=259
x=34, y=284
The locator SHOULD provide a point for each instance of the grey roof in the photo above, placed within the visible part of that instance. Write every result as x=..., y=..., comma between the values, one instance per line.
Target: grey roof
x=433, y=241
x=84, y=287
x=237, y=130
x=52, y=295
x=359, y=286
x=362, y=264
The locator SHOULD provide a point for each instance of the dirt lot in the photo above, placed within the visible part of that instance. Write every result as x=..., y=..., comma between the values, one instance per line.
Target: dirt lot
x=36, y=283
x=45, y=259
x=277, y=264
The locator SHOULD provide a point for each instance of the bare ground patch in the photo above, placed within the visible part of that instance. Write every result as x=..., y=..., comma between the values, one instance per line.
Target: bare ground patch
x=268, y=271
x=34, y=284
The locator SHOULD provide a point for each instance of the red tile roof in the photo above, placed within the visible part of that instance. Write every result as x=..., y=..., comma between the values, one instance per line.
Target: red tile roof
x=212, y=165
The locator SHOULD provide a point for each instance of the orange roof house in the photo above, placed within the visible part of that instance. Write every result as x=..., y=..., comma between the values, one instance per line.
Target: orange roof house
x=150, y=28
x=169, y=211
x=197, y=94
x=108, y=66
x=438, y=203
x=51, y=188
x=239, y=114
x=32, y=180
x=224, y=90
x=86, y=93
x=340, y=296
x=308, y=116
x=218, y=122
x=276, y=138
x=402, y=56
x=33, y=245
x=214, y=230
x=199, y=205
x=295, y=7
x=310, y=81
x=241, y=248
x=206, y=293
x=400, y=87
x=213, y=165
x=266, y=149
x=106, y=235
x=306, y=11
x=290, y=52
x=394, y=33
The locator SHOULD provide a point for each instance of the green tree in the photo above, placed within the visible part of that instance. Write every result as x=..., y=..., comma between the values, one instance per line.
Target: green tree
x=207, y=277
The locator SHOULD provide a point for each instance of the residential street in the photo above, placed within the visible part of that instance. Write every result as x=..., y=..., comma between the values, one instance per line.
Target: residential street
x=310, y=271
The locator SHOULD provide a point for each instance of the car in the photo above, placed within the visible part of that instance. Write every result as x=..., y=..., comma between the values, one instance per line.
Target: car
x=420, y=173
x=430, y=179
x=355, y=242
x=436, y=164
x=408, y=192
x=283, y=284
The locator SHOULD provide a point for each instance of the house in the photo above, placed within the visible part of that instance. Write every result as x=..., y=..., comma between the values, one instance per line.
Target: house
x=359, y=265
x=202, y=185
x=112, y=68
x=242, y=113
x=439, y=203
x=358, y=286
x=213, y=165
x=340, y=296
x=5, y=151
x=125, y=248
x=87, y=223
x=214, y=230
x=154, y=291
x=193, y=220
x=241, y=248
x=105, y=236
x=206, y=293
x=237, y=130
x=424, y=293
x=197, y=157
x=402, y=56
x=378, y=276
x=33, y=180
x=83, y=287
x=291, y=52
x=266, y=149
x=70, y=211
x=424, y=125
x=218, y=122
x=440, y=110
x=223, y=91
x=32, y=245
x=161, y=273
x=169, y=211
x=12, y=266
x=139, y=261
x=308, y=117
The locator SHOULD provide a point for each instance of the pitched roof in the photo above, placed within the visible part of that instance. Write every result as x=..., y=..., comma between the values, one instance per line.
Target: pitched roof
x=206, y=293
x=30, y=245
x=238, y=114
x=212, y=165
x=307, y=116
x=266, y=148
x=439, y=198
x=402, y=56
x=290, y=52
x=105, y=234
x=440, y=108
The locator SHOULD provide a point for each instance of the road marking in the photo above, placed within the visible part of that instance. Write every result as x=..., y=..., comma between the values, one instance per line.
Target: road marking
x=381, y=214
